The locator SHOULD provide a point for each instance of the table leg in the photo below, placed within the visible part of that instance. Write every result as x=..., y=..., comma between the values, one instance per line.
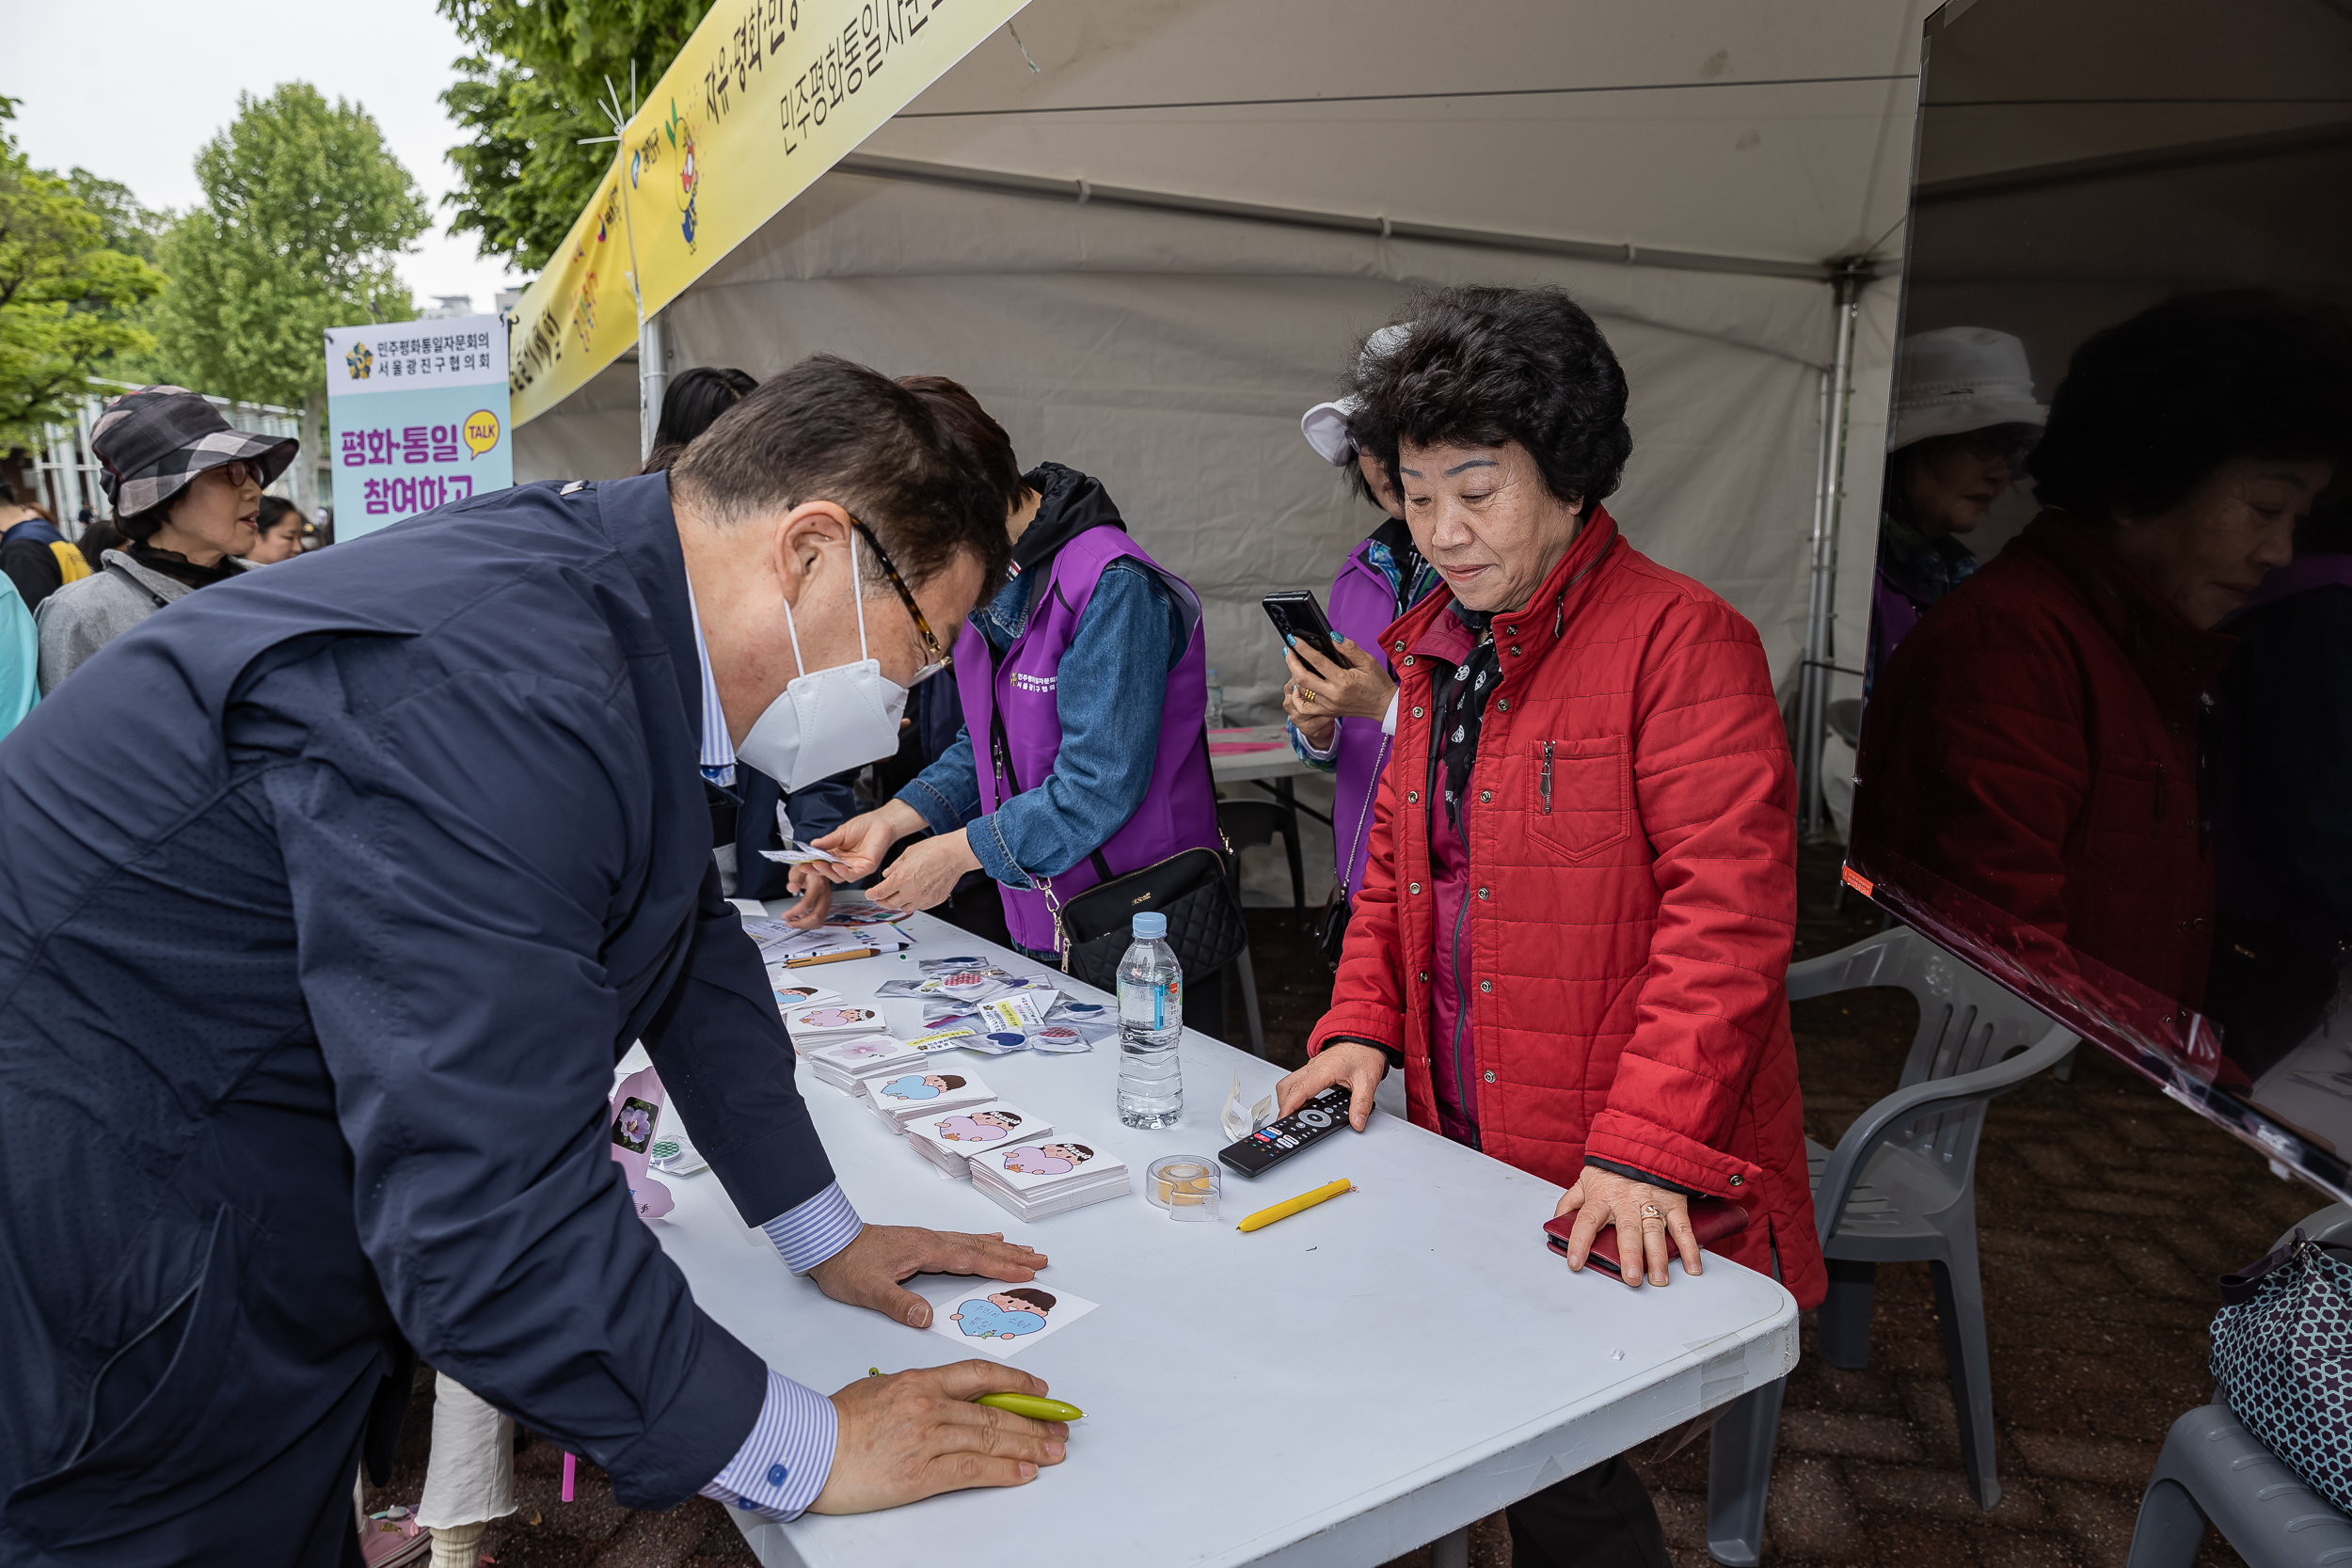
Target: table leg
x=1450, y=1551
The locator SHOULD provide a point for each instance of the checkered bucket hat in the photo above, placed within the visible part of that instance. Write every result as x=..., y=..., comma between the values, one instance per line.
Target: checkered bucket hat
x=153, y=441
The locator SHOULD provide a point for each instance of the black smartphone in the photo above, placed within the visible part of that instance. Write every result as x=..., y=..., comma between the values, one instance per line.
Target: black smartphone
x=1296, y=613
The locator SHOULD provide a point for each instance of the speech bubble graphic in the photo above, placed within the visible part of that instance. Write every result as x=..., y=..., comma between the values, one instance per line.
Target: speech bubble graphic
x=481, y=431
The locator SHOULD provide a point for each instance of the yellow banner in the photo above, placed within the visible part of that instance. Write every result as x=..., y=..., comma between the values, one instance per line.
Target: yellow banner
x=765, y=97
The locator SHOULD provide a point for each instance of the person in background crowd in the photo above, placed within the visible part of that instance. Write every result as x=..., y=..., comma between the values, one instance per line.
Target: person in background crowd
x=2034, y=744
x=1965, y=416
x=332, y=897
x=33, y=554
x=748, y=811
x=1341, y=721
x=187, y=491
x=20, y=657
x=97, y=539
x=1576, y=920
x=1088, y=778
x=278, y=533
x=693, y=400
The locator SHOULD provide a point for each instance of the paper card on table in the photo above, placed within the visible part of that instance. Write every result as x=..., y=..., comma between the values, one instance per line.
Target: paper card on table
x=944, y=1040
x=792, y=993
x=1003, y=1320
x=796, y=853
x=857, y=1053
x=1035, y=1164
x=984, y=1126
x=1016, y=1013
x=920, y=1087
x=836, y=1020
x=848, y=912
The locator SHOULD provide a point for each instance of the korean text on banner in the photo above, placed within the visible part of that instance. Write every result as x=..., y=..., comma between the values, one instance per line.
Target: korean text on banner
x=765, y=97
x=418, y=418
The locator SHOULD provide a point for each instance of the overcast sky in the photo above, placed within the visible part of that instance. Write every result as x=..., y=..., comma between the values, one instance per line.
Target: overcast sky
x=130, y=90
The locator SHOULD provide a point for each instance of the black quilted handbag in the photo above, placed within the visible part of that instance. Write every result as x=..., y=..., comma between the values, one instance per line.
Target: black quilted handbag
x=1193, y=888
x=2282, y=1355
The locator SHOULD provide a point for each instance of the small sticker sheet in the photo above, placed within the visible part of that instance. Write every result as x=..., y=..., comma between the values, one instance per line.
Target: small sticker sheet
x=796, y=853
x=1002, y=1321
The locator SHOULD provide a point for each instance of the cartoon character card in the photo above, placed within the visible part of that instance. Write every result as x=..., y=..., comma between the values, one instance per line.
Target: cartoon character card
x=1028, y=1164
x=858, y=1053
x=994, y=1125
x=915, y=1088
x=1001, y=1319
x=837, y=1019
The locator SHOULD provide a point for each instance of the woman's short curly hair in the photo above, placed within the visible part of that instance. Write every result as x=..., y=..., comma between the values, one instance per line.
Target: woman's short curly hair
x=2151, y=405
x=1485, y=367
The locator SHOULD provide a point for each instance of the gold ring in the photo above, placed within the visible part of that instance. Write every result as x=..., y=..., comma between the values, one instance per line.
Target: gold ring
x=1649, y=1212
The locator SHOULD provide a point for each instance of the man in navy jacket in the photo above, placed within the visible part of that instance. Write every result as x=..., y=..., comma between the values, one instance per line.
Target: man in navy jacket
x=330, y=899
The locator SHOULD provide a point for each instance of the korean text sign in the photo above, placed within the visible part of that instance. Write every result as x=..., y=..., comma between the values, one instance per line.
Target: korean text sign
x=766, y=96
x=418, y=418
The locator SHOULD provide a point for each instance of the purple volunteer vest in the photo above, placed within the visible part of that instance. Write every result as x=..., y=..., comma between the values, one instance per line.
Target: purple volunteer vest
x=1362, y=605
x=1179, y=809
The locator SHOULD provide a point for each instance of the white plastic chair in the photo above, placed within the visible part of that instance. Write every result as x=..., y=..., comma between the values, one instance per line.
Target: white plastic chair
x=2212, y=1470
x=1899, y=1186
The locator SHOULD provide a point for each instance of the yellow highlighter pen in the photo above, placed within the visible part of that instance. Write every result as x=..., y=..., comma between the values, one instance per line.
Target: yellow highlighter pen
x=1290, y=1206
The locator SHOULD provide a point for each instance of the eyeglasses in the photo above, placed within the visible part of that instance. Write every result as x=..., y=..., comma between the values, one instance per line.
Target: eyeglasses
x=241, y=473
x=940, y=657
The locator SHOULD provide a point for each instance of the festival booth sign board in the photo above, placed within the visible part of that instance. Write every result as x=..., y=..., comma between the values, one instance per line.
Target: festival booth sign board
x=765, y=97
x=419, y=412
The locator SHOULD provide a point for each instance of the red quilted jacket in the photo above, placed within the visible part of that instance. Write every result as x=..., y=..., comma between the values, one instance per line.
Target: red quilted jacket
x=1629, y=936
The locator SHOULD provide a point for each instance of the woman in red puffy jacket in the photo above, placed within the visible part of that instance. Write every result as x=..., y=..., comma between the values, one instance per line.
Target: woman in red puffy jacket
x=1574, y=930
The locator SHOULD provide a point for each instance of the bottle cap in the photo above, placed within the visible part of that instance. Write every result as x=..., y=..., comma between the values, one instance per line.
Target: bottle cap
x=1151, y=927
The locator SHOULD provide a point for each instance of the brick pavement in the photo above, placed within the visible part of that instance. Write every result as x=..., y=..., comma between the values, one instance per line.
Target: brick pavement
x=2104, y=1212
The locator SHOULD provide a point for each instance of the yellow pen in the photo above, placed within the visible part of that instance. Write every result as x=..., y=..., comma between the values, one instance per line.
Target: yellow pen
x=1290, y=1206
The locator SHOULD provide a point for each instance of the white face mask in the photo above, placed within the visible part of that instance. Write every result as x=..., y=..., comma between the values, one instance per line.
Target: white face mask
x=827, y=720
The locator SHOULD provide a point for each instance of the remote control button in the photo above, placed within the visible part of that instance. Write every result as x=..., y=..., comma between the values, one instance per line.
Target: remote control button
x=1315, y=1119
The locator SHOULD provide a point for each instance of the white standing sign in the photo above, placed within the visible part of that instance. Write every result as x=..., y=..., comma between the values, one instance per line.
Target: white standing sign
x=419, y=413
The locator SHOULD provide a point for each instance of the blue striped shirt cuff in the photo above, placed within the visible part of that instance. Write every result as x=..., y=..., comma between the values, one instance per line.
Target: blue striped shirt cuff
x=815, y=1230
x=782, y=1465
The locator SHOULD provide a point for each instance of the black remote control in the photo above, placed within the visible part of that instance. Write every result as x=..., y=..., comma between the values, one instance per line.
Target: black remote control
x=1275, y=1142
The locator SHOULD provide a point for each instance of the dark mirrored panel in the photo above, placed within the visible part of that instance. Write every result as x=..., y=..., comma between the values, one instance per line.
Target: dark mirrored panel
x=2107, y=746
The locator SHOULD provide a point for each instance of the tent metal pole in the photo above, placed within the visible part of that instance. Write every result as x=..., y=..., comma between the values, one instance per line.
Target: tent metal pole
x=1813, y=684
x=1084, y=193
x=653, y=379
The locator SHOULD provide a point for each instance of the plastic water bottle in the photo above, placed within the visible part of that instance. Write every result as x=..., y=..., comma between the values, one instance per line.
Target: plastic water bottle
x=1151, y=1019
x=1216, y=702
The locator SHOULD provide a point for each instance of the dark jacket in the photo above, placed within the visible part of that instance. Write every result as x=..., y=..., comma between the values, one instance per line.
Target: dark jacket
x=331, y=899
x=2032, y=748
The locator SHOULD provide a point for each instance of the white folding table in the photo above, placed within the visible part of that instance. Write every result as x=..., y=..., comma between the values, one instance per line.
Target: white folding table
x=1335, y=1389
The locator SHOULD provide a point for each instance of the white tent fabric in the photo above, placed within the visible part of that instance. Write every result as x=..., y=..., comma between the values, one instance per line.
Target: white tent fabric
x=1171, y=353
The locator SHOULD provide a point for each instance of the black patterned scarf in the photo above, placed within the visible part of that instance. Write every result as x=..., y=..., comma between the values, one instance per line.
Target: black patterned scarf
x=1462, y=709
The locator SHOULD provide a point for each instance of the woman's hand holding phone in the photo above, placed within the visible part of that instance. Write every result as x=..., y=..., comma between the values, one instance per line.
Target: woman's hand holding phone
x=1358, y=690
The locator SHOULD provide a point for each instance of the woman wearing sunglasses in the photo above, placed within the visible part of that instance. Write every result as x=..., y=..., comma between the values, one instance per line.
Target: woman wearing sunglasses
x=186, y=492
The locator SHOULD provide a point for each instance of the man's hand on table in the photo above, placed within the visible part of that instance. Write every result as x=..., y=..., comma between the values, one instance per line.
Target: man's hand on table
x=1648, y=1219
x=915, y=1435
x=867, y=1272
x=1360, y=1067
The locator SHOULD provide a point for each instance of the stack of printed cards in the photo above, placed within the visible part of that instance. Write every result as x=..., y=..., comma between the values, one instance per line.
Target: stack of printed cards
x=899, y=1097
x=846, y=1064
x=792, y=995
x=950, y=1141
x=1042, y=1177
x=836, y=1020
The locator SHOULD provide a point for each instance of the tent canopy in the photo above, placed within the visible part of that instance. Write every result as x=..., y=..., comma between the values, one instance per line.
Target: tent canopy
x=1150, y=253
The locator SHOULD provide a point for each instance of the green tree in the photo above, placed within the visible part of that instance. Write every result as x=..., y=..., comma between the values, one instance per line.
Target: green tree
x=65, y=297
x=305, y=213
x=533, y=85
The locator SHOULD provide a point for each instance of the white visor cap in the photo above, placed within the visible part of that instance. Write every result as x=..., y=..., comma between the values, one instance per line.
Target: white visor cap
x=1325, y=425
x=1962, y=378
